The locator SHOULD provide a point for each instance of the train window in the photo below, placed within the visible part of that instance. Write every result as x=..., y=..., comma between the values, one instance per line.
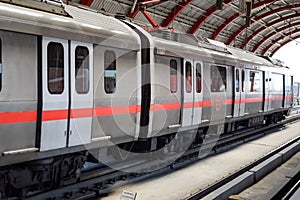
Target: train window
x=0, y=65
x=110, y=72
x=277, y=82
x=82, y=70
x=288, y=83
x=237, y=80
x=243, y=80
x=255, y=81
x=218, y=79
x=188, y=77
x=173, y=76
x=198, y=78
x=55, y=66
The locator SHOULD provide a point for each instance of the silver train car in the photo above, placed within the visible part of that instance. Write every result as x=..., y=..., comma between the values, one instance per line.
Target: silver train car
x=75, y=85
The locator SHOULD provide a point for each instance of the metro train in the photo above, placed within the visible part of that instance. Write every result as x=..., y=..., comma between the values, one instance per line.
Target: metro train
x=76, y=84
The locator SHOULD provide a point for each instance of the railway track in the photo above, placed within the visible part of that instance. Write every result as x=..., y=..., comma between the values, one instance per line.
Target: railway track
x=102, y=180
x=291, y=192
x=237, y=181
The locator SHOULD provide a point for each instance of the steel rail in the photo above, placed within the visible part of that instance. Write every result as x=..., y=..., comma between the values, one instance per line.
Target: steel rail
x=202, y=193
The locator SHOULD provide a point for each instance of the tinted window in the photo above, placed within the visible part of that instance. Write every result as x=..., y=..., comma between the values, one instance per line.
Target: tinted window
x=55, y=65
x=243, y=80
x=237, y=80
x=198, y=78
x=218, y=79
x=110, y=72
x=188, y=77
x=255, y=81
x=173, y=76
x=82, y=70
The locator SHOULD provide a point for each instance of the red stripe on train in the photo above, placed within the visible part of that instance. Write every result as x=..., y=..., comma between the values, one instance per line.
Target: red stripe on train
x=51, y=115
x=17, y=117
x=165, y=106
x=115, y=110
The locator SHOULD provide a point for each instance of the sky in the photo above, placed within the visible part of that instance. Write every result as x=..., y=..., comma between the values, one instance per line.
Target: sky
x=290, y=55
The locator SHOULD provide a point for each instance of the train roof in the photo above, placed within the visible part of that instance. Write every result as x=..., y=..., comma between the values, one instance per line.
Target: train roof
x=78, y=24
x=248, y=57
x=186, y=43
x=188, y=39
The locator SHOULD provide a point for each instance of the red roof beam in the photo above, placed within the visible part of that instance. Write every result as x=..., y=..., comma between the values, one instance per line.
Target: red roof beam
x=86, y=2
x=284, y=43
x=275, y=22
x=133, y=14
x=288, y=7
x=149, y=18
x=223, y=25
x=272, y=34
x=233, y=36
x=204, y=17
x=175, y=12
x=277, y=40
x=149, y=1
x=136, y=9
x=236, y=15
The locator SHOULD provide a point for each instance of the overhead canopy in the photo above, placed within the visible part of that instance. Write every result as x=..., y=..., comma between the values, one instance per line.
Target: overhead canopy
x=270, y=23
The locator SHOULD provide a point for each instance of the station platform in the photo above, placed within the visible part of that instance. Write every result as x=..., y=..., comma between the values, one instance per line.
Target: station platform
x=181, y=183
x=273, y=183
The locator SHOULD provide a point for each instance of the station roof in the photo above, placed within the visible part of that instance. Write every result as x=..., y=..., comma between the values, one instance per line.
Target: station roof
x=264, y=29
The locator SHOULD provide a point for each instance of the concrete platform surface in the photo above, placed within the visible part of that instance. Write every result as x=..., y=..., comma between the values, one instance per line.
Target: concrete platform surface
x=270, y=185
x=183, y=182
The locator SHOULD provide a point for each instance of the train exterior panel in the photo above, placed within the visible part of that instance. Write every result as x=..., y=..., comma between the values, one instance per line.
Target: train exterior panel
x=18, y=94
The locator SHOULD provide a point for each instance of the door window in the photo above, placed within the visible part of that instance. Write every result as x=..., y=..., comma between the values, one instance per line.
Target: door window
x=218, y=79
x=0, y=65
x=198, y=78
x=237, y=80
x=255, y=78
x=243, y=80
x=173, y=76
x=110, y=72
x=82, y=70
x=188, y=77
x=55, y=66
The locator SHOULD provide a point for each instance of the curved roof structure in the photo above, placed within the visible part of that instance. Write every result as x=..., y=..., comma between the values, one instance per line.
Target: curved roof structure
x=263, y=28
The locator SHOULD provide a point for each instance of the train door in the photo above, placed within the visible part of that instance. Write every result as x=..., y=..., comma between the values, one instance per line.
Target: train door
x=288, y=91
x=55, y=93
x=198, y=94
x=218, y=91
x=81, y=93
x=239, y=92
x=187, y=92
x=268, y=91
